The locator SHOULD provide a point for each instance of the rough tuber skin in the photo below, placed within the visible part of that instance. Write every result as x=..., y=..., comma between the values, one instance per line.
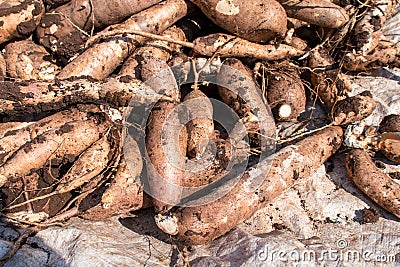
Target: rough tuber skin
x=19, y=98
x=239, y=91
x=390, y=123
x=285, y=94
x=225, y=45
x=389, y=144
x=70, y=139
x=101, y=59
x=201, y=224
x=201, y=127
x=160, y=50
x=330, y=83
x=372, y=181
x=65, y=29
x=254, y=20
x=319, y=12
x=353, y=108
x=29, y=61
x=166, y=168
x=88, y=165
x=19, y=18
x=17, y=136
x=384, y=54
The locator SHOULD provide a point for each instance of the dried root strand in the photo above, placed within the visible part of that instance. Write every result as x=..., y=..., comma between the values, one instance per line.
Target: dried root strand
x=121, y=196
x=329, y=82
x=384, y=54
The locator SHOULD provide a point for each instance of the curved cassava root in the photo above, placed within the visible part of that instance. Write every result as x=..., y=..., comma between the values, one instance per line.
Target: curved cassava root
x=201, y=224
x=372, y=181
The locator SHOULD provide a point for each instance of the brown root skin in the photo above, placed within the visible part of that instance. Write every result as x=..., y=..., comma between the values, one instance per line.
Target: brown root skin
x=89, y=164
x=390, y=123
x=353, y=108
x=19, y=18
x=201, y=127
x=52, y=4
x=224, y=45
x=298, y=43
x=165, y=165
x=238, y=17
x=70, y=139
x=159, y=76
x=3, y=67
x=201, y=224
x=286, y=88
x=231, y=98
x=160, y=50
x=100, y=60
x=318, y=12
x=59, y=28
x=390, y=145
x=11, y=127
x=384, y=54
x=120, y=197
x=27, y=61
x=367, y=31
x=15, y=137
x=17, y=99
x=123, y=193
x=372, y=181
x=216, y=166
x=238, y=89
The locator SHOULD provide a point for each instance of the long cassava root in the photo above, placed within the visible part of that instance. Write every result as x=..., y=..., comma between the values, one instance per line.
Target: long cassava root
x=198, y=225
x=373, y=182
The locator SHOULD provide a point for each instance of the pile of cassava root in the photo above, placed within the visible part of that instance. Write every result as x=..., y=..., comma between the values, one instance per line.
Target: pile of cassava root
x=92, y=92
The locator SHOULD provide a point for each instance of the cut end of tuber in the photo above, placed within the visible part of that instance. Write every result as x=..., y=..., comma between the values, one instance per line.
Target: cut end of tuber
x=168, y=224
x=285, y=111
